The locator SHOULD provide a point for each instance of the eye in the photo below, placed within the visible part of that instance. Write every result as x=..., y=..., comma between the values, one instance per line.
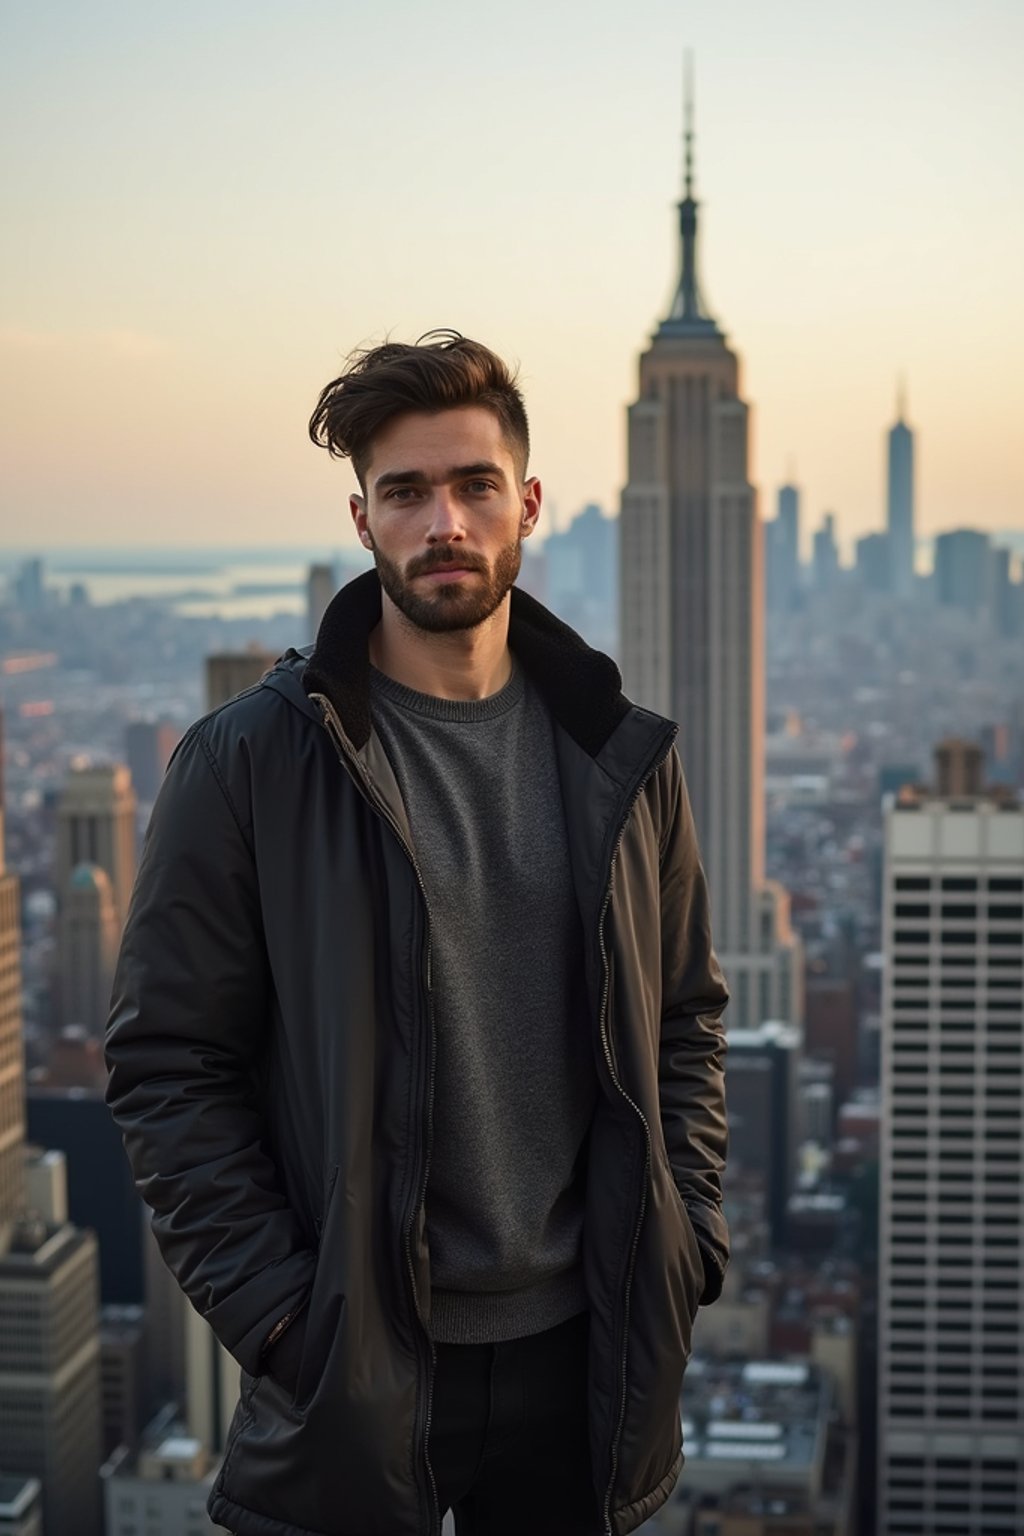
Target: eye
x=479, y=487
x=402, y=493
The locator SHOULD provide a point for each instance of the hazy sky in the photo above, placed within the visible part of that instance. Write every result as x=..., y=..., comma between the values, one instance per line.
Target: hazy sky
x=208, y=204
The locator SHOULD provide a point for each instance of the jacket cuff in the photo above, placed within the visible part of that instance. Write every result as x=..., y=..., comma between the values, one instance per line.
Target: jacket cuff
x=712, y=1234
x=714, y=1274
x=272, y=1294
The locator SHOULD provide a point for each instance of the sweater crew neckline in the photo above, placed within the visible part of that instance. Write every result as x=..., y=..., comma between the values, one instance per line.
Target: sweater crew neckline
x=464, y=711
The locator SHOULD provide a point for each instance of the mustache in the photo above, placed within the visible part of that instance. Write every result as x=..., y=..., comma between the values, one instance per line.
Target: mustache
x=444, y=555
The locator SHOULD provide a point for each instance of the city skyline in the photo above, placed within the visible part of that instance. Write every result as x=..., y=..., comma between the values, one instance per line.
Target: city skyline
x=207, y=219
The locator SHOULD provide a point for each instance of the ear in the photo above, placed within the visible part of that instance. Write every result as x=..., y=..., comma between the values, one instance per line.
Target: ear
x=357, y=507
x=532, y=496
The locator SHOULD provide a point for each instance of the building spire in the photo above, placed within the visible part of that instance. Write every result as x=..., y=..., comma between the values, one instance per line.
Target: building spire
x=901, y=398
x=688, y=315
x=688, y=121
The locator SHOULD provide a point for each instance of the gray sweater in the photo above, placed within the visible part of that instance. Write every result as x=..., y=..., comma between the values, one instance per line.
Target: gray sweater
x=515, y=1082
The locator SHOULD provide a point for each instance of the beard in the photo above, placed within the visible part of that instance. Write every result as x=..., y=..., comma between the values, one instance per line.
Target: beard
x=452, y=605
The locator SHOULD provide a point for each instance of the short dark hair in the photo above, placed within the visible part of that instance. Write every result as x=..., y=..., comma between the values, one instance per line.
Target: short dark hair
x=440, y=372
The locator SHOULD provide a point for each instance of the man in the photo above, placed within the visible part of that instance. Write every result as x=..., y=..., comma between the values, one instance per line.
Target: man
x=416, y=1039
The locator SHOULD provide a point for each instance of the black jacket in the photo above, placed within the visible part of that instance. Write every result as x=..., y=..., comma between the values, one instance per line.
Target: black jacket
x=271, y=1058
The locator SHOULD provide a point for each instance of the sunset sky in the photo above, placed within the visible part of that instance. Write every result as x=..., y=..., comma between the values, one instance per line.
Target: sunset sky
x=206, y=205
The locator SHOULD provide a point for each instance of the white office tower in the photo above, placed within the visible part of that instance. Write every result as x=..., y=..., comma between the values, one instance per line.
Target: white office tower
x=692, y=623
x=951, y=1277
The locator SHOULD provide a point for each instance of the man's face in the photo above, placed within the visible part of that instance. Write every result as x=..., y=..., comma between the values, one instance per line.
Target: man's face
x=444, y=514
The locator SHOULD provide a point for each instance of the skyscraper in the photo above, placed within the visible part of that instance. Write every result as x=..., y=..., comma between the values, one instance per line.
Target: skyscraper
x=148, y=745
x=783, y=567
x=321, y=585
x=96, y=825
x=50, y=1419
x=951, y=1273
x=49, y=1350
x=964, y=570
x=901, y=503
x=230, y=672
x=825, y=560
x=692, y=619
x=90, y=934
x=582, y=576
x=12, y=1054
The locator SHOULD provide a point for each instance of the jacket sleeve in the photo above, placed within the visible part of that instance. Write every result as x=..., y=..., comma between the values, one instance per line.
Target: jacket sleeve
x=691, y=1075
x=187, y=1024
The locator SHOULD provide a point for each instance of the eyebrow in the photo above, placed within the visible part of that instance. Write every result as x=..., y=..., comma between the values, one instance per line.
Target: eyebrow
x=457, y=472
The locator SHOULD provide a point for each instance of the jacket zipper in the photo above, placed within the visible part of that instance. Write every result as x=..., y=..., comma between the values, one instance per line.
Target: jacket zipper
x=336, y=733
x=652, y=769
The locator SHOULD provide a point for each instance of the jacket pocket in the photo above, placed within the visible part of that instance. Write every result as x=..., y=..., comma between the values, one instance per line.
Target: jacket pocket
x=690, y=1240
x=319, y=1317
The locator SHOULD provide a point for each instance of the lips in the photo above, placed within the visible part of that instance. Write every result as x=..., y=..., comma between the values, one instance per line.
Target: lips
x=448, y=572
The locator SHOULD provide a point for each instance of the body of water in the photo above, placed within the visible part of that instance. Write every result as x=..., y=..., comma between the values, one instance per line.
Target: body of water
x=230, y=584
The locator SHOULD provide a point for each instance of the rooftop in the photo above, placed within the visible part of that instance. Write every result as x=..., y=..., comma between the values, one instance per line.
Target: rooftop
x=762, y=1413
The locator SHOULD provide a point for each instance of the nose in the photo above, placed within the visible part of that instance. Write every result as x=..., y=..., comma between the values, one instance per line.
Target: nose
x=446, y=522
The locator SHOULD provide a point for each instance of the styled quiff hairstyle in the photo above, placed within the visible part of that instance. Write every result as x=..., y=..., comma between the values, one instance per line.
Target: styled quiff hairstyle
x=440, y=372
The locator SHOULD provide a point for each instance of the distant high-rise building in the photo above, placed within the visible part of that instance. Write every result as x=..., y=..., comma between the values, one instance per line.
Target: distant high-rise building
x=90, y=934
x=321, y=585
x=166, y=1308
x=231, y=672
x=1007, y=597
x=123, y=1376
x=782, y=564
x=873, y=562
x=761, y=1093
x=30, y=586
x=825, y=559
x=101, y=1193
x=583, y=576
x=900, y=504
x=96, y=825
x=50, y=1424
x=12, y=1052
x=951, y=1275
x=46, y=1184
x=964, y=570
x=148, y=745
x=692, y=616
x=49, y=1350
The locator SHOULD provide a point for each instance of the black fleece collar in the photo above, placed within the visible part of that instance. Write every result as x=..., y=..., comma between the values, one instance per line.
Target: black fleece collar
x=581, y=686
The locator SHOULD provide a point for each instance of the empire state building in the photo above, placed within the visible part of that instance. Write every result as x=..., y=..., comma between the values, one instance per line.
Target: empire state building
x=692, y=620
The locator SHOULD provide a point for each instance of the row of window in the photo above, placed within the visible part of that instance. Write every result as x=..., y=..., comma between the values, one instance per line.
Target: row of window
x=959, y=910
x=1008, y=938
x=998, y=883
x=953, y=981
x=959, y=961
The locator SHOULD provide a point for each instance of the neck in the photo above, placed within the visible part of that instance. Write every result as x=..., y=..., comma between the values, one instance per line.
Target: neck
x=457, y=664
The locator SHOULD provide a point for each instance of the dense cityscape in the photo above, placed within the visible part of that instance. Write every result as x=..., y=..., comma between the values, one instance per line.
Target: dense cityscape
x=853, y=736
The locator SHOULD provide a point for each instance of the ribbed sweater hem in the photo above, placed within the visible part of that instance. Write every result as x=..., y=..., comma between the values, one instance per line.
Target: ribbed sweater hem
x=492, y=1317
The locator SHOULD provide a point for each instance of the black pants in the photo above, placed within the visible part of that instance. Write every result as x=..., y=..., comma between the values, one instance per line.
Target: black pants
x=508, y=1439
